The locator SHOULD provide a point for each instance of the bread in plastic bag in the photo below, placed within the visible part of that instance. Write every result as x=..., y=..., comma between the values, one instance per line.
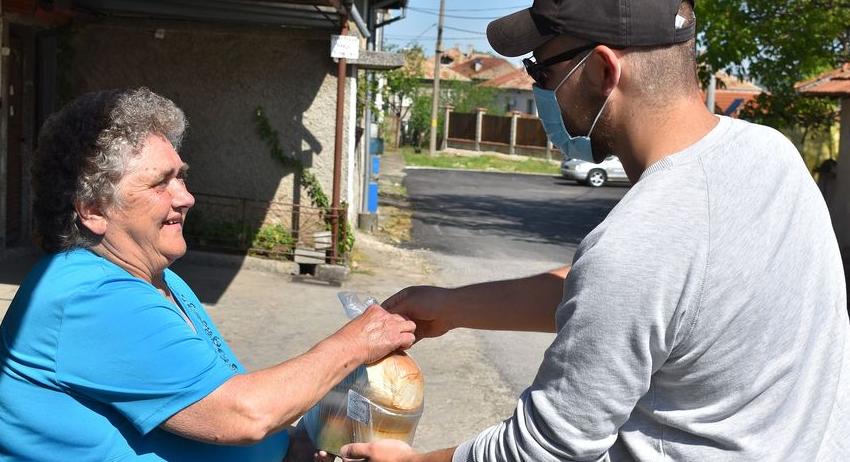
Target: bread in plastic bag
x=381, y=400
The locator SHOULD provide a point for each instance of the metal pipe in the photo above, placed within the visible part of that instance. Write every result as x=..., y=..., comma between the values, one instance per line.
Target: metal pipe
x=400, y=16
x=338, y=140
x=367, y=136
x=358, y=20
x=367, y=119
x=383, y=4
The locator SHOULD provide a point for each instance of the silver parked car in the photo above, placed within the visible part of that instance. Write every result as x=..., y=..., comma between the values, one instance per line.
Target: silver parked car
x=594, y=175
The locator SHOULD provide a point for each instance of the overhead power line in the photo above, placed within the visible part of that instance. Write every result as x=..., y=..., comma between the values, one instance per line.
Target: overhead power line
x=420, y=10
x=426, y=30
x=457, y=29
x=515, y=7
x=429, y=37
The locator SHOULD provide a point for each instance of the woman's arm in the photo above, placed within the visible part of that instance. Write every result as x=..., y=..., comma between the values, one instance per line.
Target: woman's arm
x=249, y=407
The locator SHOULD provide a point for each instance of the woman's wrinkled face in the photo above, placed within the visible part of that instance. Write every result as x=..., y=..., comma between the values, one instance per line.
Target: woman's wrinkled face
x=145, y=225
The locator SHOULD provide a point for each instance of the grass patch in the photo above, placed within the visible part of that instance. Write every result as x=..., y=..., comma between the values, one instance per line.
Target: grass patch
x=360, y=262
x=395, y=223
x=482, y=162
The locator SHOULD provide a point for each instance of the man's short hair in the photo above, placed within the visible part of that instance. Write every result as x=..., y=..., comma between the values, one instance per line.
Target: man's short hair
x=666, y=71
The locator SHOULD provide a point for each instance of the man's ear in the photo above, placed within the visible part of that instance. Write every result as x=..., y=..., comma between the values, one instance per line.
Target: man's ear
x=92, y=218
x=605, y=68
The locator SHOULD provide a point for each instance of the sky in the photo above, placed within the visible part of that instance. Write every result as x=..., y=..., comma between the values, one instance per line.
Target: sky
x=464, y=26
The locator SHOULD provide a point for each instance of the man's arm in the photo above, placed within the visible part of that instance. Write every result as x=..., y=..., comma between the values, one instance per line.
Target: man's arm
x=526, y=304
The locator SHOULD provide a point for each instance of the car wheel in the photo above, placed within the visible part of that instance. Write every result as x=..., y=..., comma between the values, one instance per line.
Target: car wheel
x=596, y=178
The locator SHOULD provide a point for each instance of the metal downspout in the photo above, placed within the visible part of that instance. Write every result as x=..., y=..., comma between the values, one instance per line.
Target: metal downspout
x=338, y=141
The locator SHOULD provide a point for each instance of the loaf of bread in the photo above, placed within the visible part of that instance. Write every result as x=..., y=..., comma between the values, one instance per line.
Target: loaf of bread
x=377, y=401
x=395, y=383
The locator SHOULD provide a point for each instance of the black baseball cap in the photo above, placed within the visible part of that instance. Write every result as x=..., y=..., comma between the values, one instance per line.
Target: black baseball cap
x=616, y=23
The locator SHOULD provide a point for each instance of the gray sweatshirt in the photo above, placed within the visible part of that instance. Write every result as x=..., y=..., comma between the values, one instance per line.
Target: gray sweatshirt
x=704, y=320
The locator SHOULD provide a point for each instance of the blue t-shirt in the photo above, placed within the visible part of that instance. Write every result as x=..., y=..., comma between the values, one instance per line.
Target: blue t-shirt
x=93, y=360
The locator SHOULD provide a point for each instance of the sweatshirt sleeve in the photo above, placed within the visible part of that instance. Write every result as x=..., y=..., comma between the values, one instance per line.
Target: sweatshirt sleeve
x=625, y=303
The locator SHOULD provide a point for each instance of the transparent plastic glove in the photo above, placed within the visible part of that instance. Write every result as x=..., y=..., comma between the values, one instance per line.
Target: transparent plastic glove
x=353, y=306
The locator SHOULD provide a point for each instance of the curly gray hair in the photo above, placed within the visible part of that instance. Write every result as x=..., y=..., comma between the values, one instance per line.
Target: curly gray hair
x=85, y=149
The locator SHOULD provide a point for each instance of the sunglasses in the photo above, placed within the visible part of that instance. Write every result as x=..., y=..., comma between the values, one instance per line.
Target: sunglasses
x=535, y=69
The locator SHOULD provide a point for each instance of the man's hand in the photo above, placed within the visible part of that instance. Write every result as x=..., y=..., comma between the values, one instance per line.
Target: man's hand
x=427, y=306
x=379, y=451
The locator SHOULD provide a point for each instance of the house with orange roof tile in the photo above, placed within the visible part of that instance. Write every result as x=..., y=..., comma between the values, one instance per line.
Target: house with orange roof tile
x=733, y=94
x=514, y=91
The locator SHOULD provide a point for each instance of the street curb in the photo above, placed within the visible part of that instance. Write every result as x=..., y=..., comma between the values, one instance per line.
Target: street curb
x=242, y=262
x=417, y=167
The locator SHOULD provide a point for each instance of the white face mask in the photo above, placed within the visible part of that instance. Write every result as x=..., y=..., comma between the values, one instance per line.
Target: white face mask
x=549, y=111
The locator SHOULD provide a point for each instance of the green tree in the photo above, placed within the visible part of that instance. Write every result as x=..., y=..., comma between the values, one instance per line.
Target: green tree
x=419, y=123
x=777, y=43
x=403, y=85
x=407, y=94
x=469, y=96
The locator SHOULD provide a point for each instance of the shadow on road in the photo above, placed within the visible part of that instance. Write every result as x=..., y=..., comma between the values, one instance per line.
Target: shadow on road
x=561, y=181
x=554, y=222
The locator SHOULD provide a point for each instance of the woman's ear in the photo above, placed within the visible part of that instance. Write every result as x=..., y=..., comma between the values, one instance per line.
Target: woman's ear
x=92, y=217
x=605, y=67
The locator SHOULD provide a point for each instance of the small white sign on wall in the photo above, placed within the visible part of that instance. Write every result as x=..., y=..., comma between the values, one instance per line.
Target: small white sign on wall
x=345, y=46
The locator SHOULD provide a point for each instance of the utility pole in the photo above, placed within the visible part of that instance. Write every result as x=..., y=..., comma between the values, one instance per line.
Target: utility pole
x=435, y=98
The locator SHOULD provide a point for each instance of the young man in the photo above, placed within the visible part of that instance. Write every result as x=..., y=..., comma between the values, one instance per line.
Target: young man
x=705, y=318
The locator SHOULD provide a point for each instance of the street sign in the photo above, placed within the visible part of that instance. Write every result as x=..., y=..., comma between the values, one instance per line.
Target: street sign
x=345, y=46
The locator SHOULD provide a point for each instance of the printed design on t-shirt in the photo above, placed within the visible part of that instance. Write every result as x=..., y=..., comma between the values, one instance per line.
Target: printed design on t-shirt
x=217, y=343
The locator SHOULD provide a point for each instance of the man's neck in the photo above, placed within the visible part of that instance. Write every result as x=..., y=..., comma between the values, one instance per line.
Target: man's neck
x=650, y=137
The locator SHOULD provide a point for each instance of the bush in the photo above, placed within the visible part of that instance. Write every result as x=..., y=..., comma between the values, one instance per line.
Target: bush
x=273, y=238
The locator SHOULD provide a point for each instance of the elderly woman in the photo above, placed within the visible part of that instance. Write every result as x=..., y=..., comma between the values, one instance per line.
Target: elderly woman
x=108, y=355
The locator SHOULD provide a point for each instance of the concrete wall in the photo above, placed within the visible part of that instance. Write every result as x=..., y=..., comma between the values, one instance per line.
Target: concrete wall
x=218, y=76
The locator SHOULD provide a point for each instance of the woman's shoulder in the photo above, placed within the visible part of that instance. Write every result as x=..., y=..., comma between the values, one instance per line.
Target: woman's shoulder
x=81, y=275
x=180, y=289
x=176, y=283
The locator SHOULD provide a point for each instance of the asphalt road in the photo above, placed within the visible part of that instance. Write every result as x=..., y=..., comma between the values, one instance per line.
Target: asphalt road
x=490, y=226
x=493, y=215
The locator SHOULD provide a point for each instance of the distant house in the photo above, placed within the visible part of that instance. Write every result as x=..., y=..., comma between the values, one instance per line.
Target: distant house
x=481, y=67
x=733, y=94
x=446, y=73
x=514, y=91
x=486, y=70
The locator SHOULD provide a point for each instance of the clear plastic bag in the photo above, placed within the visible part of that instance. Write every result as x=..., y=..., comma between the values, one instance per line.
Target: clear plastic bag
x=382, y=400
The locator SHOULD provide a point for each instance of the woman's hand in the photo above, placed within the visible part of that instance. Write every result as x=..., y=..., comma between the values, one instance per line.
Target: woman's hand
x=379, y=451
x=427, y=306
x=376, y=333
